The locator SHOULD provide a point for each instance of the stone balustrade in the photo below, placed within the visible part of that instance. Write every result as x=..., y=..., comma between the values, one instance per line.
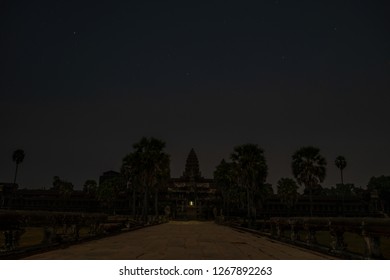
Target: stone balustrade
x=303, y=230
x=63, y=227
x=58, y=227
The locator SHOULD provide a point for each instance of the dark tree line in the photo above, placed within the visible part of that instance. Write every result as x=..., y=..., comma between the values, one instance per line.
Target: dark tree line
x=242, y=181
x=145, y=171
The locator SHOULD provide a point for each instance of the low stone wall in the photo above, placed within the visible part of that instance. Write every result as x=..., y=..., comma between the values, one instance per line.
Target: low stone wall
x=302, y=231
x=63, y=227
x=57, y=227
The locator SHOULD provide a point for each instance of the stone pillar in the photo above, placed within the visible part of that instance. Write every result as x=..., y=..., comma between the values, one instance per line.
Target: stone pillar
x=337, y=242
x=372, y=242
x=373, y=249
x=12, y=238
x=294, y=234
x=279, y=230
x=311, y=236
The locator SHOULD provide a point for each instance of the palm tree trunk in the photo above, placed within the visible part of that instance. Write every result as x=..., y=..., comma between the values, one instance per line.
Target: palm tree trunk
x=342, y=194
x=248, y=204
x=145, y=207
x=16, y=172
x=227, y=204
x=133, y=210
x=156, y=202
x=10, y=201
x=250, y=208
x=224, y=206
x=311, y=201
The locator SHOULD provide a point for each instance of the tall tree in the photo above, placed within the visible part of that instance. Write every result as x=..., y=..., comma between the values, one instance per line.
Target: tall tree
x=309, y=169
x=17, y=157
x=224, y=181
x=130, y=170
x=146, y=167
x=381, y=185
x=287, y=190
x=341, y=163
x=163, y=176
x=65, y=188
x=109, y=190
x=342, y=191
x=90, y=187
x=251, y=171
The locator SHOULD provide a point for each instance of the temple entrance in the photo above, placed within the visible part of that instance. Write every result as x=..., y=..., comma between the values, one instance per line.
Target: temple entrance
x=192, y=195
x=192, y=213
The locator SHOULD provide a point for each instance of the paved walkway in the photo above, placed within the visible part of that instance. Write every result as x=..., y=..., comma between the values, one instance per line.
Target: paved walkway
x=185, y=241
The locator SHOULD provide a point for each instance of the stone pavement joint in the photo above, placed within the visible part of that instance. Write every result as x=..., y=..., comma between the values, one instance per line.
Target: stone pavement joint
x=189, y=240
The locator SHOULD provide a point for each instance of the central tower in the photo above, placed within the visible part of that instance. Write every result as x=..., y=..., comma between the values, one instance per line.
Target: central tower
x=192, y=196
x=191, y=171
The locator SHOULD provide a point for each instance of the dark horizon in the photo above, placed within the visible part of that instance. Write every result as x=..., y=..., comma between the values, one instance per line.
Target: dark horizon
x=80, y=84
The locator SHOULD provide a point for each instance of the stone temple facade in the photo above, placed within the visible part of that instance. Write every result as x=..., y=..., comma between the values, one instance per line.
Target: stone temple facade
x=192, y=196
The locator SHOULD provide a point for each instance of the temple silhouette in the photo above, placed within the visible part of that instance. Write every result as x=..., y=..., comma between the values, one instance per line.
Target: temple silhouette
x=191, y=196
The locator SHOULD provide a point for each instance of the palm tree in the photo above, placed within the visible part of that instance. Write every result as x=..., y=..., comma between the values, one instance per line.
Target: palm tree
x=341, y=163
x=252, y=170
x=287, y=190
x=17, y=157
x=147, y=166
x=309, y=169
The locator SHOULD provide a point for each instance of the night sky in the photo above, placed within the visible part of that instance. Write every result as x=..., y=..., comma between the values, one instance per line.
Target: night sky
x=81, y=82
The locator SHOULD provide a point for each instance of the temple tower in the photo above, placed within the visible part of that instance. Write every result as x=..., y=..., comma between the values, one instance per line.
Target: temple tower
x=191, y=171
